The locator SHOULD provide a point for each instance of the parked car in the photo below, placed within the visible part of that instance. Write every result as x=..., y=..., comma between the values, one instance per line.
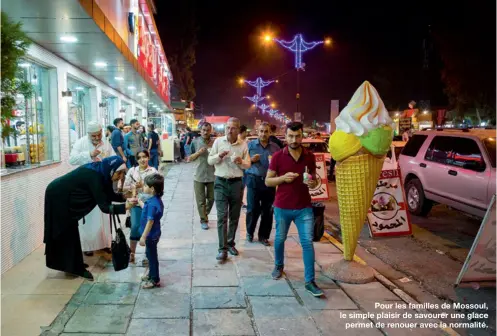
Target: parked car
x=452, y=167
x=318, y=146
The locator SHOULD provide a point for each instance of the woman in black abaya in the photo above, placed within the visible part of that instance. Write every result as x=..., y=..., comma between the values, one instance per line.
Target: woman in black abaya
x=68, y=199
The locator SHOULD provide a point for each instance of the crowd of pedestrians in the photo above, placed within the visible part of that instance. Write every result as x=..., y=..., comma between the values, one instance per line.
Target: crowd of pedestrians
x=119, y=173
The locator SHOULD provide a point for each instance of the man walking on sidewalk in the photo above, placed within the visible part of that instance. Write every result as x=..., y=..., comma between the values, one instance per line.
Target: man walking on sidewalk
x=133, y=143
x=260, y=198
x=230, y=157
x=289, y=169
x=203, y=180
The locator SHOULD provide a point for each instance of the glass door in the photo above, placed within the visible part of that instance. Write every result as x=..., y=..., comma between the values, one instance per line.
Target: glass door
x=79, y=110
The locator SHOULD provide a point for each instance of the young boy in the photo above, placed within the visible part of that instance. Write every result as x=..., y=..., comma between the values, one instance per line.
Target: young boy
x=153, y=208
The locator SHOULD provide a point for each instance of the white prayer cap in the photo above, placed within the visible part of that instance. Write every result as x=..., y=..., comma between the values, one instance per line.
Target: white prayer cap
x=93, y=127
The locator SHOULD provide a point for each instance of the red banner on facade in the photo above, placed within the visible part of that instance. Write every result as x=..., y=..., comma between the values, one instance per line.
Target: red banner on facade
x=146, y=50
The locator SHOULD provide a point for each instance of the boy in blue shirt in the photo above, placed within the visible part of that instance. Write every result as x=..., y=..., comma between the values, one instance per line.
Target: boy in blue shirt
x=153, y=208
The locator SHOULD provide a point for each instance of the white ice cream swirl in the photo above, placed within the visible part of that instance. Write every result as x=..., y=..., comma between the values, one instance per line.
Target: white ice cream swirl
x=364, y=112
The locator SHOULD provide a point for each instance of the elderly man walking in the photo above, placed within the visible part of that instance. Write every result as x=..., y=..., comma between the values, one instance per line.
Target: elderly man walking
x=230, y=157
x=94, y=229
x=203, y=180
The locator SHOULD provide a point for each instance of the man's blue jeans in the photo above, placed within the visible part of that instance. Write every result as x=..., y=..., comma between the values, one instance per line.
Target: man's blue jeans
x=304, y=220
x=153, y=259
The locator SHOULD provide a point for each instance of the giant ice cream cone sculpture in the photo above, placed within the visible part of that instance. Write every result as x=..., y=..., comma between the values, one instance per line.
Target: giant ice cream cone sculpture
x=359, y=146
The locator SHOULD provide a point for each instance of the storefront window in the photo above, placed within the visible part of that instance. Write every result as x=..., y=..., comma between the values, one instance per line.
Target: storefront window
x=30, y=141
x=79, y=109
x=125, y=112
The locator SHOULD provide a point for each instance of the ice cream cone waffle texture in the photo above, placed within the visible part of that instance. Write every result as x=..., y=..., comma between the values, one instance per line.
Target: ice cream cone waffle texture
x=356, y=179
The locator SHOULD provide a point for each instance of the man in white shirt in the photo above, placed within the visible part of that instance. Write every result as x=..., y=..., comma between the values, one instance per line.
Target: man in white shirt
x=230, y=157
x=94, y=229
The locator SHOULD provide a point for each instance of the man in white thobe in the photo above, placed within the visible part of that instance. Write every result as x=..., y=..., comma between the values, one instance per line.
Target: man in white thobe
x=95, y=232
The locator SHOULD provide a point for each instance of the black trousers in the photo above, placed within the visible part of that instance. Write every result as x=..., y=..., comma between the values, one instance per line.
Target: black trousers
x=259, y=204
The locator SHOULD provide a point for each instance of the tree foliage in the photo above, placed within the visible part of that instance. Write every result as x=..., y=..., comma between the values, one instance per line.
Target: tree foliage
x=179, y=39
x=15, y=43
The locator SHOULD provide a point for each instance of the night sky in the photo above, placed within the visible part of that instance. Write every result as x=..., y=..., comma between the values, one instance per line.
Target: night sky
x=377, y=41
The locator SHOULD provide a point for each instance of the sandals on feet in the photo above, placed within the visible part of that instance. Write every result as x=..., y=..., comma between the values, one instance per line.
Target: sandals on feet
x=150, y=284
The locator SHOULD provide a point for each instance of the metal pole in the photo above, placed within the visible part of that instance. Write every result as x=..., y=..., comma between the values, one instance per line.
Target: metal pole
x=297, y=96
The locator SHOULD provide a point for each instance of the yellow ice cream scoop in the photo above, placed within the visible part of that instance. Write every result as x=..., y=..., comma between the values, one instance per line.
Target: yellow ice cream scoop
x=378, y=140
x=342, y=145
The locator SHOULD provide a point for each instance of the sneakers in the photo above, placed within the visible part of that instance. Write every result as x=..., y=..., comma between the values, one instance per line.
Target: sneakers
x=250, y=239
x=277, y=272
x=233, y=251
x=204, y=226
x=312, y=288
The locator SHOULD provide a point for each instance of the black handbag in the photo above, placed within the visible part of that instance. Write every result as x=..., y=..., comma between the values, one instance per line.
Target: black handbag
x=128, y=222
x=120, y=249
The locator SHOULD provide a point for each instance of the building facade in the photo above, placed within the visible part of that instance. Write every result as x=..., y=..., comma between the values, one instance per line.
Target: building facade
x=91, y=60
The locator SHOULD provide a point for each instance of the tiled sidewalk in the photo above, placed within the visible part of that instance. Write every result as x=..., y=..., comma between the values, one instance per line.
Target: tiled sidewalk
x=198, y=296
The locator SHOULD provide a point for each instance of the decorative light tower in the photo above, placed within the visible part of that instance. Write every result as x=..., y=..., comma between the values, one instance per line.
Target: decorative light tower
x=264, y=108
x=255, y=99
x=298, y=46
x=259, y=83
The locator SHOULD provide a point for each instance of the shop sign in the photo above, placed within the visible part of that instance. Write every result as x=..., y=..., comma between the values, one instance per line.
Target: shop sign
x=320, y=192
x=441, y=116
x=147, y=53
x=163, y=82
x=405, y=123
x=480, y=263
x=387, y=215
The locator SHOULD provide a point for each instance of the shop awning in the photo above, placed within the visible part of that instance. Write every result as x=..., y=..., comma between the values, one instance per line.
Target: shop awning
x=217, y=119
x=46, y=21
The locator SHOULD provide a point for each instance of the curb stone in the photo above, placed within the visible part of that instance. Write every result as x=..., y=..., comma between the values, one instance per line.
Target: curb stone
x=392, y=287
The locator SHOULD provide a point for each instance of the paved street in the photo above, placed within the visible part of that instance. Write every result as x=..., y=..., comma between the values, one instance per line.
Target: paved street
x=198, y=296
x=444, y=238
